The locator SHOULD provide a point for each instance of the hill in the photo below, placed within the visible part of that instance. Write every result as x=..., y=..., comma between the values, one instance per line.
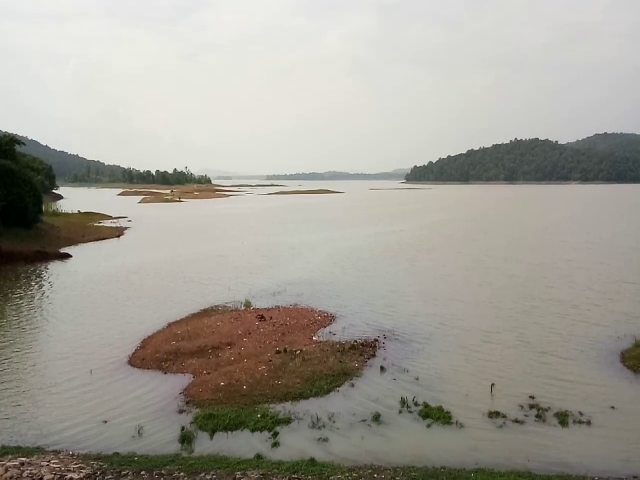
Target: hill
x=72, y=168
x=397, y=174
x=605, y=157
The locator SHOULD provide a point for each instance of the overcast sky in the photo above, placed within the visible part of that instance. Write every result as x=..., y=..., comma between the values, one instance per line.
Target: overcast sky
x=271, y=86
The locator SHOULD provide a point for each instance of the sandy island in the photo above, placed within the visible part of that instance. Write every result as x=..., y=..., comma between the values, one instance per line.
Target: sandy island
x=317, y=191
x=178, y=194
x=253, y=356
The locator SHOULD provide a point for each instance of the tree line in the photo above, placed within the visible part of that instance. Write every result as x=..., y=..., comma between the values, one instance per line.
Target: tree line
x=607, y=157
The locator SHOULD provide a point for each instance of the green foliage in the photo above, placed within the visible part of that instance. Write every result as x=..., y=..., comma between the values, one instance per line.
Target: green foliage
x=230, y=419
x=631, y=357
x=601, y=158
x=247, y=304
x=20, y=198
x=436, y=414
x=160, y=177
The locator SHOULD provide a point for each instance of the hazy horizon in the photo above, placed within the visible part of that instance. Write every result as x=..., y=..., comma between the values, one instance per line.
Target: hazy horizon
x=280, y=87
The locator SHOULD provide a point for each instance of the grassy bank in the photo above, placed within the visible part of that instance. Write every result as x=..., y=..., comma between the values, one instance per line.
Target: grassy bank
x=56, y=230
x=227, y=466
x=631, y=357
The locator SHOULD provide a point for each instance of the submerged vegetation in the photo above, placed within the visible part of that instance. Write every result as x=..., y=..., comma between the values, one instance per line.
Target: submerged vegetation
x=213, y=420
x=631, y=357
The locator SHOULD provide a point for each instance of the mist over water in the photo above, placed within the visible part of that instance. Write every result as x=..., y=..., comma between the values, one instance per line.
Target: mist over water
x=535, y=288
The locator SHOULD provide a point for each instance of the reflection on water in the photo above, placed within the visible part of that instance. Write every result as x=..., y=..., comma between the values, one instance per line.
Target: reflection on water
x=535, y=288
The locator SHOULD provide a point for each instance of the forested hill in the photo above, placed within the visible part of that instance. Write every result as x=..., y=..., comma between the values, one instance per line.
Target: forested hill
x=605, y=157
x=69, y=167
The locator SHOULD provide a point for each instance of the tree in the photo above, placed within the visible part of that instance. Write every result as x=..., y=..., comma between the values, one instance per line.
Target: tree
x=20, y=198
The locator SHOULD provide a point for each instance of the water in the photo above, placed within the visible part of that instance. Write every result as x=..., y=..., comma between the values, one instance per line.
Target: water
x=535, y=288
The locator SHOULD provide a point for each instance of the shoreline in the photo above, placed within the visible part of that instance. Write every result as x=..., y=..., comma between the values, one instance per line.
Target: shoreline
x=34, y=462
x=55, y=231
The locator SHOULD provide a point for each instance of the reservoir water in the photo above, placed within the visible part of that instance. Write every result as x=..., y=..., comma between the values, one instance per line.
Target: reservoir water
x=535, y=288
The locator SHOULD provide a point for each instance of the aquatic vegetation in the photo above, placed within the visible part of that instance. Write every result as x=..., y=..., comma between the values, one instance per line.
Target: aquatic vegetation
x=436, y=414
x=562, y=416
x=495, y=414
x=229, y=419
x=186, y=439
x=323, y=439
x=376, y=418
x=247, y=305
x=275, y=444
x=317, y=423
x=518, y=421
x=630, y=357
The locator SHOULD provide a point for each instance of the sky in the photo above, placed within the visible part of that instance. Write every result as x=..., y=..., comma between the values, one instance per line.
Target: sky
x=277, y=86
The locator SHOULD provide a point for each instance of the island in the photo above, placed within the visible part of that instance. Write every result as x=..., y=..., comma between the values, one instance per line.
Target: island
x=244, y=359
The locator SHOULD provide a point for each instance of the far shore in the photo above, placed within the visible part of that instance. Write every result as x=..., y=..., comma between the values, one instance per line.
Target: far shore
x=518, y=183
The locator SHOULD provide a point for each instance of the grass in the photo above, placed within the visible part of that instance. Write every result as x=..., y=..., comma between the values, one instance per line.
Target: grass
x=563, y=417
x=309, y=468
x=630, y=357
x=436, y=414
x=229, y=419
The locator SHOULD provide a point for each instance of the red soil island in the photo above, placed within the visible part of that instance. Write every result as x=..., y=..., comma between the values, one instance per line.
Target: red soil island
x=253, y=356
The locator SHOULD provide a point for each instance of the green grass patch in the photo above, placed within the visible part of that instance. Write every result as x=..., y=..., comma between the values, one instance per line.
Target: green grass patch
x=230, y=419
x=631, y=357
x=19, y=451
x=436, y=414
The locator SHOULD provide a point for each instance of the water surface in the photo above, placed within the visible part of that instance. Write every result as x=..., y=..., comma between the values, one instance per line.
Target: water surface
x=535, y=288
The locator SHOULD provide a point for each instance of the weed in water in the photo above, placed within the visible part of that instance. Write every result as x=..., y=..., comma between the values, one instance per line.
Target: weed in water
x=247, y=304
x=186, y=439
x=495, y=414
x=376, y=418
x=562, y=416
x=258, y=456
x=436, y=414
x=317, y=423
x=518, y=421
x=230, y=419
x=322, y=439
x=275, y=444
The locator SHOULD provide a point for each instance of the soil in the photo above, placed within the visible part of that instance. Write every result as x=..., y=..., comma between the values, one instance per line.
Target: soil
x=253, y=356
x=178, y=194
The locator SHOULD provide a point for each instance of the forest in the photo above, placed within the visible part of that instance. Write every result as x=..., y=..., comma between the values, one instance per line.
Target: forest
x=605, y=157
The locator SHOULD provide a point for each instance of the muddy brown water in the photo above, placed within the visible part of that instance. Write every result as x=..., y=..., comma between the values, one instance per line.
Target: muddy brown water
x=535, y=288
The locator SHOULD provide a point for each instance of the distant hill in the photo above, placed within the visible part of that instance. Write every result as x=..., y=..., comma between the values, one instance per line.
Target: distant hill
x=605, y=157
x=72, y=168
x=397, y=174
